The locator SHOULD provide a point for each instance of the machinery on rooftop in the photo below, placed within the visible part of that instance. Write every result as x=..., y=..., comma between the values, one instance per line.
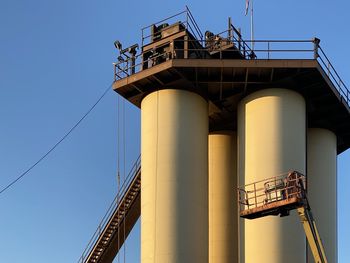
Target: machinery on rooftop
x=183, y=39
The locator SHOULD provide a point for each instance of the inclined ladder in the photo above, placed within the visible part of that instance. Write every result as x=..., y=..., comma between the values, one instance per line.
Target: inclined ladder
x=118, y=221
x=277, y=196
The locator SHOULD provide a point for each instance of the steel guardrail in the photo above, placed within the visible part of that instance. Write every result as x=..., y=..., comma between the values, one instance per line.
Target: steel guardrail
x=265, y=50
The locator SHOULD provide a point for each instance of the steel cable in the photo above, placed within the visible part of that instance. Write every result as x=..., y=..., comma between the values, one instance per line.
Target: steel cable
x=57, y=143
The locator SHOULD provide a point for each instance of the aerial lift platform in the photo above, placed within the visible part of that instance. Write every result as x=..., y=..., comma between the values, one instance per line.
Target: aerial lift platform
x=278, y=196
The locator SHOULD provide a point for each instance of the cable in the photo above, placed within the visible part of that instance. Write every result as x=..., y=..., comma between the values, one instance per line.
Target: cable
x=118, y=172
x=124, y=140
x=124, y=150
x=118, y=143
x=57, y=143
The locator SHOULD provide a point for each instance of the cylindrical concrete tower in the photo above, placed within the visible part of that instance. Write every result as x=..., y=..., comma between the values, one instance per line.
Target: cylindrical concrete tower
x=322, y=186
x=223, y=215
x=174, y=191
x=271, y=141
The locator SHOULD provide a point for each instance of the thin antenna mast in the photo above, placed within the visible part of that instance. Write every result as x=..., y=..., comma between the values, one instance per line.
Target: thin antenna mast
x=249, y=3
x=252, y=24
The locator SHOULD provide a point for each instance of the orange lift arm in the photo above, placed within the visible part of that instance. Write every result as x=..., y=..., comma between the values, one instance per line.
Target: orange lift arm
x=277, y=196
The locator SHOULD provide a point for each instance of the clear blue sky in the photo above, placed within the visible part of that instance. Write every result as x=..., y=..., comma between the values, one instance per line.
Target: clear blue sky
x=55, y=61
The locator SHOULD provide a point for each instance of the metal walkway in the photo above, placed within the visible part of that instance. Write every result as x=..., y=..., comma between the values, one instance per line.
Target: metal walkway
x=117, y=222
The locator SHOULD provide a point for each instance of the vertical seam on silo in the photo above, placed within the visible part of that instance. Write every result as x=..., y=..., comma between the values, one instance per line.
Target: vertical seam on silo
x=211, y=200
x=156, y=181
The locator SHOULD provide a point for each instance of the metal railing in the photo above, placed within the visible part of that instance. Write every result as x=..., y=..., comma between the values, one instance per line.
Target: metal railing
x=264, y=49
x=221, y=41
x=282, y=187
x=333, y=76
x=199, y=49
x=184, y=18
x=112, y=208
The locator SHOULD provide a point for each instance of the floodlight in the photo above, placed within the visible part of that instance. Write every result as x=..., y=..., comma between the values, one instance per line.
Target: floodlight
x=132, y=49
x=118, y=45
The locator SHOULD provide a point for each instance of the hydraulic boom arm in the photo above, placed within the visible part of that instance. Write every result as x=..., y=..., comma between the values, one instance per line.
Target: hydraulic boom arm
x=278, y=196
x=312, y=235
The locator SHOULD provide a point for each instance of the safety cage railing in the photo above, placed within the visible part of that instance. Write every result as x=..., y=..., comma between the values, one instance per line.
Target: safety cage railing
x=225, y=45
x=112, y=208
x=184, y=18
x=283, y=187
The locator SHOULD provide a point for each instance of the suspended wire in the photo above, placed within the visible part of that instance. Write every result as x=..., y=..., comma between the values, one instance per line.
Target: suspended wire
x=57, y=143
x=124, y=164
x=124, y=141
x=121, y=121
x=118, y=144
x=118, y=170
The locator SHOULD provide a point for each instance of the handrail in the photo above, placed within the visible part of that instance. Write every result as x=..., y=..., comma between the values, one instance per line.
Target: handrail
x=165, y=19
x=123, y=68
x=281, y=187
x=333, y=75
x=264, y=49
x=185, y=18
x=190, y=16
x=128, y=180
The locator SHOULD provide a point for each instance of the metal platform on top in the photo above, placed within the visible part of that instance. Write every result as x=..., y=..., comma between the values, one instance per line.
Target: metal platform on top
x=223, y=69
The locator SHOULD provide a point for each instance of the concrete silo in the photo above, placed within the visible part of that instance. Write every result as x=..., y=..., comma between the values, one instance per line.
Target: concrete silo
x=216, y=114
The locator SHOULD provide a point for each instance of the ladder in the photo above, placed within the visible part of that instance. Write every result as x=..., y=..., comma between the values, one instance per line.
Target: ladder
x=117, y=222
x=278, y=196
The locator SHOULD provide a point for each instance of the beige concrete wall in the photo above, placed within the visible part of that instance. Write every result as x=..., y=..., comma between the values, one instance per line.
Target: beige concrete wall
x=223, y=216
x=322, y=186
x=271, y=141
x=174, y=191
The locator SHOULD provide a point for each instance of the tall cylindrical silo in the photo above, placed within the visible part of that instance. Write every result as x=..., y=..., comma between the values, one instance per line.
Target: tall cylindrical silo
x=322, y=186
x=174, y=191
x=271, y=141
x=223, y=216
